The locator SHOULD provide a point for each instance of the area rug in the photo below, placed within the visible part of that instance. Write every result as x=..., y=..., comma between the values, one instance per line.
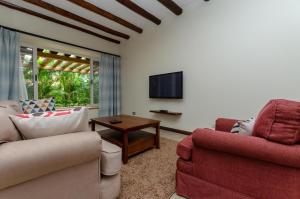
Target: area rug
x=150, y=175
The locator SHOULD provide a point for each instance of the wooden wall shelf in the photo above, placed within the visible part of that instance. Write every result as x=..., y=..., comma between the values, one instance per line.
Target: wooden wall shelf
x=167, y=113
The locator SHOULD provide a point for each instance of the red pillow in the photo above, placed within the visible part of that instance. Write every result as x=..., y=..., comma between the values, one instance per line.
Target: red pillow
x=279, y=121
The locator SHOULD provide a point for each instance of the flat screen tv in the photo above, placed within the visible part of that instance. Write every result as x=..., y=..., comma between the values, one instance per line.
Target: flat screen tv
x=169, y=85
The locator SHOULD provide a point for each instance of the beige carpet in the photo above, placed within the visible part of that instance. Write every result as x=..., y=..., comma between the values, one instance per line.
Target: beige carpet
x=151, y=175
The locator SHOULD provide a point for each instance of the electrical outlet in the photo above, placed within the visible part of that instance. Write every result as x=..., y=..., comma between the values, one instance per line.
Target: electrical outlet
x=133, y=113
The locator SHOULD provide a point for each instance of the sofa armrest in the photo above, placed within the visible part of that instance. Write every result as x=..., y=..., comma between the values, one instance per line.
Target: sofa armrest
x=29, y=159
x=224, y=124
x=248, y=146
x=185, y=147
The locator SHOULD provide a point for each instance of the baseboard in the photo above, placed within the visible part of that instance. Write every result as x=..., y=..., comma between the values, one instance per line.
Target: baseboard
x=176, y=130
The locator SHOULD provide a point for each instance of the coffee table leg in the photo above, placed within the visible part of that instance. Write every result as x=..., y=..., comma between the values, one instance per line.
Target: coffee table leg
x=125, y=148
x=157, y=136
x=93, y=126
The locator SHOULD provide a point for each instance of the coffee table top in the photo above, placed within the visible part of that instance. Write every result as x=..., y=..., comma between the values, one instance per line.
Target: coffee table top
x=129, y=123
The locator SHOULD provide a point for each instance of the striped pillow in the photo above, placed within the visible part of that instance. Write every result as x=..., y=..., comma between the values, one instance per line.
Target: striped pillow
x=244, y=127
x=45, y=124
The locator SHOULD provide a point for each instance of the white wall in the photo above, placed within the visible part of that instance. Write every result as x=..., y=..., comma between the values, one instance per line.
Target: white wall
x=235, y=54
x=21, y=21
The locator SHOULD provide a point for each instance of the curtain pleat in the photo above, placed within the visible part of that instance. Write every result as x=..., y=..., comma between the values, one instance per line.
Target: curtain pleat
x=110, y=75
x=9, y=64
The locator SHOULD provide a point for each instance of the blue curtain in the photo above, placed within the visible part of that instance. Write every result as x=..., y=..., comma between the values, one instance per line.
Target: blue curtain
x=9, y=65
x=110, y=99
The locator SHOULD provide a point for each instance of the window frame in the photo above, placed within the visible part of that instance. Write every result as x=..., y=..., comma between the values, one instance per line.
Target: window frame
x=35, y=67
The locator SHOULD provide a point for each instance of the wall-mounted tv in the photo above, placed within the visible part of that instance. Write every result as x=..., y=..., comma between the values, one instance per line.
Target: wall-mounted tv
x=169, y=85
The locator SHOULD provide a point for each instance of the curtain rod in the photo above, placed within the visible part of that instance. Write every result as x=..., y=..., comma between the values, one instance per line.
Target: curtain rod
x=55, y=40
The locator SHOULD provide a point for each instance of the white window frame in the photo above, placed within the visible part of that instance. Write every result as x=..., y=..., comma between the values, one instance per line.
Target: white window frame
x=35, y=68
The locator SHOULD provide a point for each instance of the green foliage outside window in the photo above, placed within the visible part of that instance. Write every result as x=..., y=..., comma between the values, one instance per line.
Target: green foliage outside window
x=28, y=75
x=68, y=89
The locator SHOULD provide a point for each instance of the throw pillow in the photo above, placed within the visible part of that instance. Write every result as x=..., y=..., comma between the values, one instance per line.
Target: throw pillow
x=244, y=127
x=279, y=121
x=45, y=124
x=38, y=106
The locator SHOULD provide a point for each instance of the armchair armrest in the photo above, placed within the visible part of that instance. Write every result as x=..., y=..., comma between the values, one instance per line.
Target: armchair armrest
x=224, y=124
x=248, y=146
x=29, y=159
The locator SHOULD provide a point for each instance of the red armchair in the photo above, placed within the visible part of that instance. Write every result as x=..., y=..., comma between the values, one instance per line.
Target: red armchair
x=215, y=164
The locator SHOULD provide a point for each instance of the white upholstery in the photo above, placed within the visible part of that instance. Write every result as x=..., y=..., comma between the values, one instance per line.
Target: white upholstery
x=110, y=186
x=111, y=158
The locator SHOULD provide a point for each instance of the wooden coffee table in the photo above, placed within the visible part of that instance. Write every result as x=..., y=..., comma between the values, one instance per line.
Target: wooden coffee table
x=128, y=134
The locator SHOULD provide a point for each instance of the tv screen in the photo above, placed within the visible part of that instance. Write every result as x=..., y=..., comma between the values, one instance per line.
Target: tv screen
x=166, y=85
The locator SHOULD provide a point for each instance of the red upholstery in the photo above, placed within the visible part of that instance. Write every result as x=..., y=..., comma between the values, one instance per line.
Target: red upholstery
x=184, y=148
x=248, y=146
x=231, y=166
x=195, y=188
x=185, y=166
x=224, y=124
x=279, y=121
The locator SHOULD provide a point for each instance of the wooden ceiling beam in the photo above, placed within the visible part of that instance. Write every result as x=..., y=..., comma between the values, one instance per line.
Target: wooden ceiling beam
x=75, y=17
x=172, y=6
x=27, y=11
x=108, y=15
x=139, y=10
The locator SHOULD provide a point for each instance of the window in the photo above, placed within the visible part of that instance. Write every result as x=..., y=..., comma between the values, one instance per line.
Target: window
x=26, y=73
x=65, y=77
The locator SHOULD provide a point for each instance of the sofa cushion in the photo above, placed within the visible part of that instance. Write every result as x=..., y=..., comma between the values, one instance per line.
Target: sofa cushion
x=224, y=124
x=111, y=158
x=13, y=106
x=279, y=121
x=46, y=124
x=29, y=159
x=8, y=131
x=184, y=148
x=38, y=106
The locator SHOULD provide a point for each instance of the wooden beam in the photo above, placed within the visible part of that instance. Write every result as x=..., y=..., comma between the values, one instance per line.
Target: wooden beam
x=27, y=11
x=54, y=69
x=172, y=6
x=45, y=62
x=75, y=17
x=57, y=63
x=67, y=65
x=134, y=7
x=68, y=69
x=80, y=67
x=108, y=15
x=63, y=58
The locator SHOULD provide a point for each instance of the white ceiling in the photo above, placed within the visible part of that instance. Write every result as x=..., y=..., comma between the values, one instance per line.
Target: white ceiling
x=112, y=6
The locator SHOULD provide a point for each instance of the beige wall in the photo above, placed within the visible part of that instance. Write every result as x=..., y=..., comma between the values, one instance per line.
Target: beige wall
x=28, y=23
x=235, y=54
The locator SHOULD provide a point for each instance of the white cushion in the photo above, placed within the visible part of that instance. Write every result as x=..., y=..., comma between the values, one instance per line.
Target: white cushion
x=111, y=158
x=244, y=127
x=110, y=186
x=46, y=124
